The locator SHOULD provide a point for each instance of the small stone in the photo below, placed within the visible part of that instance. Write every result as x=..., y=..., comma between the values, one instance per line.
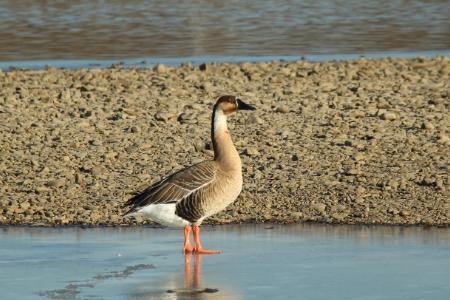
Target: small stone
x=25, y=205
x=199, y=145
x=96, y=143
x=282, y=109
x=359, y=199
x=436, y=101
x=393, y=211
x=339, y=216
x=187, y=118
x=357, y=114
x=352, y=172
x=79, y=178
x=320, y=207
x=253, y=119
x=404, y=213
x=134, y=129
x=160, y=68
x=443, y=139
x=110, y=155
x=251, y=151
x=42, y=189
x=163, y=116
x=202, y=67
x=359, y=157
x=327, y=86
x=427, y=125
x=389, y=116
x=297, y=215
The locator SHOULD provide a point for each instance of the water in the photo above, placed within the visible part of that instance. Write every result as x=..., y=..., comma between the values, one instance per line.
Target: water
x=259, y=261
x=111, y=30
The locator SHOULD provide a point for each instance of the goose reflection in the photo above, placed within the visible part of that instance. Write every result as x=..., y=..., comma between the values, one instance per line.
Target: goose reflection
x=187, y=285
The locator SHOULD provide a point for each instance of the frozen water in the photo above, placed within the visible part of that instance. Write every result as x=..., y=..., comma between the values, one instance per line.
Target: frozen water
x=259, y=261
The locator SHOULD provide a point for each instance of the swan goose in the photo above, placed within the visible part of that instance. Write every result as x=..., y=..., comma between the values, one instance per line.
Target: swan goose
x=187, y=197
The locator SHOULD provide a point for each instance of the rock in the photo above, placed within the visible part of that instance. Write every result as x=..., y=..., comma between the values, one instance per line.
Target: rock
x=254, y=119
x=357, y=114
x=199, y=145
x=187, y=118
x=160, y=68
x=404, y=213
x=389, y=116
x=96, y=143
x=359, y=199
x=297, y=215
x=163, y=116
x=251, y=151
x=42, y=189
x=25, y=205
x=56, y=183
x=282, y=109
x=427, y=125
x=202, y=67
x=339, y=216
x=327, y=86
x=320, y=207
x=352, y=172
x=443, y=139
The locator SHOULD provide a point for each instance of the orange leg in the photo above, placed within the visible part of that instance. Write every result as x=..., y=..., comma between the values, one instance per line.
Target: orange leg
x=198, y=249
x=187, y=247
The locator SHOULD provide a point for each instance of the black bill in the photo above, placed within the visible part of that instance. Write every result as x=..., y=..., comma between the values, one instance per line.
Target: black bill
x=241, y=105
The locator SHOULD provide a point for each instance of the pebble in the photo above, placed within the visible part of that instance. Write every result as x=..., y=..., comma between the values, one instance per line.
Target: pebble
x=163, y=116
x=320, y=207
x=56, y=183
x=251, y=151
x=427, y=125
x=187, y=118
x=199, y=145
x=282, y=109
x=357, y=114
x=160, y=68
x=253, y=119
x=443, y=139
x=390, y=116
x=76, y=138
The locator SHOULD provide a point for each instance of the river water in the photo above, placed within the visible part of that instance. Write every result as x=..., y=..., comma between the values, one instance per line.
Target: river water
x=117, y=29
x=259, y=261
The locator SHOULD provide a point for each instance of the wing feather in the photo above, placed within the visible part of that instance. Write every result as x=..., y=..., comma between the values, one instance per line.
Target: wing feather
x=176, y=187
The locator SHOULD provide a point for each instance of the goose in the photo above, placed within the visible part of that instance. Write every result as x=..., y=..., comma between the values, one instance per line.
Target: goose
x=185, y=198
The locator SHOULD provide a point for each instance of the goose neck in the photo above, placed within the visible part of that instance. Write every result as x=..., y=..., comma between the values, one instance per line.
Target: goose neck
x=224, y=149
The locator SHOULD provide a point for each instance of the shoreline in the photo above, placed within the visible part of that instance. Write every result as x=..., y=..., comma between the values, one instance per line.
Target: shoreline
x=338, y=142
x=149, y=62
x=207, y=224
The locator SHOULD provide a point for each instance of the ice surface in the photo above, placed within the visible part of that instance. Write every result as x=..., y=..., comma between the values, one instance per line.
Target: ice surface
x=259, y=262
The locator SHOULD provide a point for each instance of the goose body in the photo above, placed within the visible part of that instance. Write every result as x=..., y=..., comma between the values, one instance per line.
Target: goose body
x=187, y=197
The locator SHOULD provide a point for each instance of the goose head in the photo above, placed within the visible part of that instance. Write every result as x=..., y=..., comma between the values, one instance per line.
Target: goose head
x=224, y=107
x=227, y=105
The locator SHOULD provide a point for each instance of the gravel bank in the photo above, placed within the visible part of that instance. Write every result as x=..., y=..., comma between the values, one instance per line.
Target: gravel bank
x=364, y=141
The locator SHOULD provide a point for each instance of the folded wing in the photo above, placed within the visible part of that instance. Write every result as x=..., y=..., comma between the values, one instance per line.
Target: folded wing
x=176, y=187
